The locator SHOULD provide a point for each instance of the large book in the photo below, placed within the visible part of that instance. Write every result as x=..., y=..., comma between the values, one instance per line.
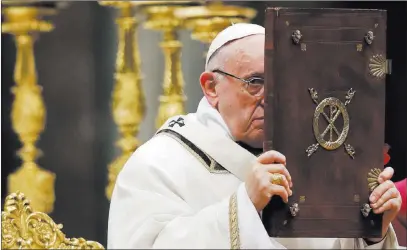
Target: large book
x=325, y=73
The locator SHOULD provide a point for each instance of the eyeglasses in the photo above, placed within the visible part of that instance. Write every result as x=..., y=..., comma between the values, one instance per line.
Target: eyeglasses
x=254, y=84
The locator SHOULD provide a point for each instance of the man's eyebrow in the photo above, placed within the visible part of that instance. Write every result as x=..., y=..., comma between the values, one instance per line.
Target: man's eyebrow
x=254, y=74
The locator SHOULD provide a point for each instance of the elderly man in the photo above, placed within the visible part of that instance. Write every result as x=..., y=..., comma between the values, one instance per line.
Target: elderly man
x=202, y=180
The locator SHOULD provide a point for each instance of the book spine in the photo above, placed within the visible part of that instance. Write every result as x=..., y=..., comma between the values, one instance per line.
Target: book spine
x=270, y=50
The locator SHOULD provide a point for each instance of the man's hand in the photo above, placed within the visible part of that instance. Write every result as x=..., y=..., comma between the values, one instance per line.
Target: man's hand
x=259, y=184
x=386, y=199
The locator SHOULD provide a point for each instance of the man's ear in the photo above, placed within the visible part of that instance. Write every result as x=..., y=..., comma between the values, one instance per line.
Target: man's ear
x=207, y=81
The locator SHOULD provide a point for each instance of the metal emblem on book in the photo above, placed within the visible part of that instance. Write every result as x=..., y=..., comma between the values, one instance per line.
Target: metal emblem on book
x=366, y=210
x=379, y=66
x=369, y=37
x=335, y=138
x=373, y=178
x=296, y=36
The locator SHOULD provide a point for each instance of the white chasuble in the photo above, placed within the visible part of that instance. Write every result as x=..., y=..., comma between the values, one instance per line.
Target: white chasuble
x=184, y=188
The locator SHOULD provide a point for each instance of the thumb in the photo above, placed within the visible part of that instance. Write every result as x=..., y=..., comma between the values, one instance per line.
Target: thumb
x=387, y=174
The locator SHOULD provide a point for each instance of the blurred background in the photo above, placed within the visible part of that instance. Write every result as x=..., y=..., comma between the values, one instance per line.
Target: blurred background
x=76, y=63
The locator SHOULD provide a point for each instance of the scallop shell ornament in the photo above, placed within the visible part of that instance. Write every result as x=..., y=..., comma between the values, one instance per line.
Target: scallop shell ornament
x=378, y=66
x=372, y=178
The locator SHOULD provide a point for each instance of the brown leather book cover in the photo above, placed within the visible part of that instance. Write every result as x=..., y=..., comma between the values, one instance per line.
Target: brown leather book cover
x=325, y=111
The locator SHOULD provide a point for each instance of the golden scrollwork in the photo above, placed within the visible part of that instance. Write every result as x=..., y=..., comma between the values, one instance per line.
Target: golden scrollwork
x=372, y=178
x=24, y=228
x=336, y=108
x=128, y=100
x=160, y=16
x=28, y=110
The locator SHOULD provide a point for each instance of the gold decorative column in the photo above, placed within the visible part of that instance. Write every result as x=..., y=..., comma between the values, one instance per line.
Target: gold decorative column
x=28, y=112
x=208, y=20
x=128, y=100
x=160, y=16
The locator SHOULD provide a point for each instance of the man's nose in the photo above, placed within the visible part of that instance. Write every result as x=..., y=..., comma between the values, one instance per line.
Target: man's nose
x=262, y=100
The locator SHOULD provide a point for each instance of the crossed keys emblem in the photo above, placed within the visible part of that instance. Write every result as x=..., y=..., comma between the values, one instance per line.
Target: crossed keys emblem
x=335, y=109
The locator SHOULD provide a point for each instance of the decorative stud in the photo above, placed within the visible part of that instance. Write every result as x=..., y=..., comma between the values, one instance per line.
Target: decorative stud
x=296, y=36
x=294, y=209
x=369, y=37
x=365, y=210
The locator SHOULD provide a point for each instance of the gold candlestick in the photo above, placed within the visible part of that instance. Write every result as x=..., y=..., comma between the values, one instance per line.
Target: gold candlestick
x=28, y=110
x=128, y=100
x=208, y=20
x=160, y=16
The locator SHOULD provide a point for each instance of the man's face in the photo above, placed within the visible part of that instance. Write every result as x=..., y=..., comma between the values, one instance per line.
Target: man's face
x=242, y=111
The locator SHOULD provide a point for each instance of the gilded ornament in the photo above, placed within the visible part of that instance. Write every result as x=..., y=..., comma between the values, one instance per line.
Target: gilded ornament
x=28, y=111
x=349, y=96
x=379, y=66
x=24, y=228
x=350, y=150
x=314, y=95
x=128, y=99
x=161, y=17
x=359, y=47
x=311, y=149
x=208, y=20
x=336, y=108
x=373, y=178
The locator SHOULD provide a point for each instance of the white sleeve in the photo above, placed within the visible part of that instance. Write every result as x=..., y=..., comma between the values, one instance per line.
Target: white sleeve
x=389, y=242
x=147, y=211
x=253, y=235
x=231, y=224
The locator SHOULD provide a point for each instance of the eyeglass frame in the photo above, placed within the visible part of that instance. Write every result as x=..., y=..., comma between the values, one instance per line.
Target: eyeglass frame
x=247, y=81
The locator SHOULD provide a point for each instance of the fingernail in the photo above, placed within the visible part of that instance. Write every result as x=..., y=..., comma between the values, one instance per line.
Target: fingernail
x=380, y=179
x=290, y=193
x=291, y=184
x=372, y=199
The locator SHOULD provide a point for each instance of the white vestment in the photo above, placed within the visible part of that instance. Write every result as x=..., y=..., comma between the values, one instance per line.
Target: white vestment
x=167, y=196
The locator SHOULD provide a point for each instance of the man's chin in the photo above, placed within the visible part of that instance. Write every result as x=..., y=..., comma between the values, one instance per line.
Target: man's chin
x=257, y=140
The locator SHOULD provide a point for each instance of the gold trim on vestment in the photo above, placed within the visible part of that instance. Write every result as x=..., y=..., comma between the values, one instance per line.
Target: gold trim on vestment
x=234, y=223
x=211, y=168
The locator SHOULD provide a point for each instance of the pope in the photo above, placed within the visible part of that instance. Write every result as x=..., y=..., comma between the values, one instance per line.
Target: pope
x=202, y=180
